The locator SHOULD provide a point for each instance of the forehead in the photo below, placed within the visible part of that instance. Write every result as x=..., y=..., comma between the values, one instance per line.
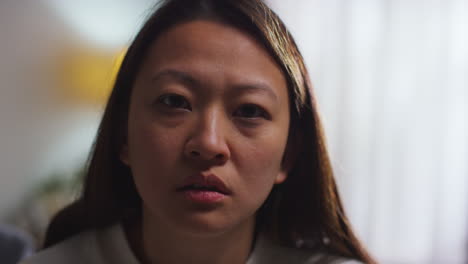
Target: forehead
x=214, y=52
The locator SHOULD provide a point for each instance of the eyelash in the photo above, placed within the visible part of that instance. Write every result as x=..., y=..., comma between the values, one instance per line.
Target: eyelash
x=259, y=112
x=162, y=100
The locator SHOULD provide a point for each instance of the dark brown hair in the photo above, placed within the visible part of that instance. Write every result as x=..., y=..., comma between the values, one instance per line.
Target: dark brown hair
x=306, y=209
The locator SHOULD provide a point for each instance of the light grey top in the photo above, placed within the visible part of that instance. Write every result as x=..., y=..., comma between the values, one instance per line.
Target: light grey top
x=109, y=246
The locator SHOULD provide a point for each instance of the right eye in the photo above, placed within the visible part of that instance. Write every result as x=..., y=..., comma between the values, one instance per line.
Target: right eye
x=174, y=101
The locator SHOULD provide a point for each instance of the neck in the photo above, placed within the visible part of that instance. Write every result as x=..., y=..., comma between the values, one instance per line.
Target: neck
x=155, y=243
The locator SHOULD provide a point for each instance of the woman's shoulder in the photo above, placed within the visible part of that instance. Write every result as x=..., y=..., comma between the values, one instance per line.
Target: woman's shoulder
x=266, y=251
x=110, y=246
x=77, y=249
x=106, y=245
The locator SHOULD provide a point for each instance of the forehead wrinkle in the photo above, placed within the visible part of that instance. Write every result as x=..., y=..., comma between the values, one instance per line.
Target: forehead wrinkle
x=189, y=80
x=199, y=83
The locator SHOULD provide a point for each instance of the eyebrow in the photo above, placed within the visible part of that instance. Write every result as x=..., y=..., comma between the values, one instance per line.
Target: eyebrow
x=257, y=87
x=189, y=80
x=175, y=74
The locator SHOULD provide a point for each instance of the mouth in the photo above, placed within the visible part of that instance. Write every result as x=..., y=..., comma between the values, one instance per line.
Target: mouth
x=206, y=183
x=204, y=189
x=198, y=187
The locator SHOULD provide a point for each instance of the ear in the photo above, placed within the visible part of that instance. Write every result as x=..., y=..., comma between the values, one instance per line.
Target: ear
x=290, y=155
x=123, y=155
x=281, y=177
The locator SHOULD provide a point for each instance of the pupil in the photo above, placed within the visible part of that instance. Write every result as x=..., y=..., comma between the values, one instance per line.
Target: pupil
x=250, y=111
x=175, y=101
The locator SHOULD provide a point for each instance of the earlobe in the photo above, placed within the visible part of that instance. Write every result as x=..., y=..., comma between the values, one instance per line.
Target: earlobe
x=281, y=177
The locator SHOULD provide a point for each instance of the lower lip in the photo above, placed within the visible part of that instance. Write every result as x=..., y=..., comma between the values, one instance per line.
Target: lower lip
x=203, y=196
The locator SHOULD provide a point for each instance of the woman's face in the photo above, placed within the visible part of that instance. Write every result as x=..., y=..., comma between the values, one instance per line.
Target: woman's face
x=207, y=128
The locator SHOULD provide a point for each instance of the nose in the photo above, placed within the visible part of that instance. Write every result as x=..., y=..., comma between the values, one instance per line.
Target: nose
x=207, y=141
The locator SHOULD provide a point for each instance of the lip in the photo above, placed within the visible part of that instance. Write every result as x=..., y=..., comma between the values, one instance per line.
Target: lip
x=207, y=180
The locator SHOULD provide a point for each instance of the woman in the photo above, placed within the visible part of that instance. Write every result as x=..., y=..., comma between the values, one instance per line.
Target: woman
x=210, y=151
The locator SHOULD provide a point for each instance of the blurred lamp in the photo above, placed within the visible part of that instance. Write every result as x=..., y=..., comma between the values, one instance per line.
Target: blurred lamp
x=87, y=75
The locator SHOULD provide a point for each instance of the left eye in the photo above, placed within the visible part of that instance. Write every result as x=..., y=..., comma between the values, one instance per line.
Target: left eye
x=251, y=111
x=174, y=101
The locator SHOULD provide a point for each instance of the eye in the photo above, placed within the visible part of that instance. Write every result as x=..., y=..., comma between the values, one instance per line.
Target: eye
x=251, y=111
x=174, y=101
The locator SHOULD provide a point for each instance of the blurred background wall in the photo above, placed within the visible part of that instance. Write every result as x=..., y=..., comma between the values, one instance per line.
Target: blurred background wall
x=391, y=78
x=56, y=64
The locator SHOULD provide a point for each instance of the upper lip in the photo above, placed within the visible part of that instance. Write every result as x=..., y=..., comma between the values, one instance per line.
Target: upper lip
x=205, y=180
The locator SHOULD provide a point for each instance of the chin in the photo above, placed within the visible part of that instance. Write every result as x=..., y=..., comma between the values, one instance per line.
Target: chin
x=211, y=224
x=200, y=221
x=205, y=224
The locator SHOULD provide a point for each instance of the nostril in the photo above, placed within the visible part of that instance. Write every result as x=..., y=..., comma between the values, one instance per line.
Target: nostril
x=218, y=156
x=194, y=153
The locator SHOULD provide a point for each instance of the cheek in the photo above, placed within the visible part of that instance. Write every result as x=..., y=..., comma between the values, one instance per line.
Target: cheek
x=267, y=151
x=152, y=152
x=267, y=157
x=258, y=166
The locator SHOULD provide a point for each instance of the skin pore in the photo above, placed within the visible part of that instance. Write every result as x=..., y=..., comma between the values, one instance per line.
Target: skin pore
x=208, y=100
